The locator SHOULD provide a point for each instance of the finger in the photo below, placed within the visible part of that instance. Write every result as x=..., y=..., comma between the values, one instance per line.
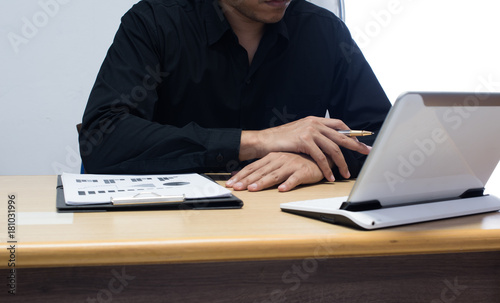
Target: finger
x=335, y=153
x=328, y=122
x=290, y=183
x=334, y=123
x=243, y=173
x=324, y=146
x=321, y=160
x=308, y=173
x=351, y=143
x=339, y=161
x=243, y=177
x=318, y=145
x=238, y=181
x=366, y=149
x=269, y=180
x=233, y=180
x=254, y=172
x=329, y=128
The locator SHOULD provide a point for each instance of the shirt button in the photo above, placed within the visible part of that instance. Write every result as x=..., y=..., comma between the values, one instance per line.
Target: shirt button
x=220, y=158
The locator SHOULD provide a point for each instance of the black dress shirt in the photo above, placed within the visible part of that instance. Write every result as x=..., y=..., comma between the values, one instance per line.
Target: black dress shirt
x=176, y=89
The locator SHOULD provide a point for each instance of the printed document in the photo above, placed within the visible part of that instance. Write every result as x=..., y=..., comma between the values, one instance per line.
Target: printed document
x=102, y=189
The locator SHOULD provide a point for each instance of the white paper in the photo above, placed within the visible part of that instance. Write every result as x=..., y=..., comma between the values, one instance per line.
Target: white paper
x=99, y=189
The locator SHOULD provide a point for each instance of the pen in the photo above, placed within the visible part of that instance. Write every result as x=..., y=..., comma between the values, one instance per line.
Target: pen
x=356, y=133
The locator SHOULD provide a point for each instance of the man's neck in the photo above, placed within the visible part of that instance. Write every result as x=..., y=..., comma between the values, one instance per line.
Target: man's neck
x=249, y=32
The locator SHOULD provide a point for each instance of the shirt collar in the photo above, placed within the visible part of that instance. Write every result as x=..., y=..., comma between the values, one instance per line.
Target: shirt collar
x=217, y=24
x=280, y=28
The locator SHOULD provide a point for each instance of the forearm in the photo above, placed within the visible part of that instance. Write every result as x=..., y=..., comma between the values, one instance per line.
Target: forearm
x=136, y=146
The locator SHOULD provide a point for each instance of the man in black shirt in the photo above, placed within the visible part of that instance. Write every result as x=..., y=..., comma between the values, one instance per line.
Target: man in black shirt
x=204, y=85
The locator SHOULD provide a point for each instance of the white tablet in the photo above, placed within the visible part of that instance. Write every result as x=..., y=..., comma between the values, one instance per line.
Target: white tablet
x=431, y=160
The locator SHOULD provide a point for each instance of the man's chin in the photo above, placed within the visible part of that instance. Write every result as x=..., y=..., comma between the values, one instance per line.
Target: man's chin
x=271, y=21
x=272, y=18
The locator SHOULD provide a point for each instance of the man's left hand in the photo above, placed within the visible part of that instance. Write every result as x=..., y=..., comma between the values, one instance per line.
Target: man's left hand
x=287, y=169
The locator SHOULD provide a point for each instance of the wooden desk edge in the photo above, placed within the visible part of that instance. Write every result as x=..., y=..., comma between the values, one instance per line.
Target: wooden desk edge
x=157, y=251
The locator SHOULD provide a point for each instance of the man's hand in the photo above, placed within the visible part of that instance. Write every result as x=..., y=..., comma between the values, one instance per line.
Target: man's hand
x=289, y=169
x=313, y=136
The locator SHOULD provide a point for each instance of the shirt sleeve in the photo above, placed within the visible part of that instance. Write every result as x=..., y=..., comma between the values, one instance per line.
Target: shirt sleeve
x=118, y=133
x=358, y=98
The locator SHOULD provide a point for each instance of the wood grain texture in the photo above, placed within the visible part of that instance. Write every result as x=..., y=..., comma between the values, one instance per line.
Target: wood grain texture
x=466, y=277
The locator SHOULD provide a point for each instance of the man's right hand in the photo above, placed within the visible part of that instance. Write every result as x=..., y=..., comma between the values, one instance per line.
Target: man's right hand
x=313, y=136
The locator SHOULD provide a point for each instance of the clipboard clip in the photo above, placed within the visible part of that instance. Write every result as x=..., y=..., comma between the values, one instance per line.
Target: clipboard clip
x=147, y=198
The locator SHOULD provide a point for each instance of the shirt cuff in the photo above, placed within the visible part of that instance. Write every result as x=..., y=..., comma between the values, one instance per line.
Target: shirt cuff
x=223, y=149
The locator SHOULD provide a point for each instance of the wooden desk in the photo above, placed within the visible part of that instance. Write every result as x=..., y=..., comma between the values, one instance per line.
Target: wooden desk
x=255, y=254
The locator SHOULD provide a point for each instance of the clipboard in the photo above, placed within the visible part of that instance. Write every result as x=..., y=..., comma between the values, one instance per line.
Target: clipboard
x=152, y=202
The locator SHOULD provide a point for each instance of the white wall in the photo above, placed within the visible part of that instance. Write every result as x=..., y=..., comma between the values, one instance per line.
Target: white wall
x=48, y=68
x=429, y=45
x=51, y=51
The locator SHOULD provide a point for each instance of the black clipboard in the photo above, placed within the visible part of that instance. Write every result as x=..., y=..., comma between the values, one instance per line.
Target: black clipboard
x=228, y=202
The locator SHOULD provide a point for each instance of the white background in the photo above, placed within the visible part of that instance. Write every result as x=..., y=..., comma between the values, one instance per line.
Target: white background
x=47, y=68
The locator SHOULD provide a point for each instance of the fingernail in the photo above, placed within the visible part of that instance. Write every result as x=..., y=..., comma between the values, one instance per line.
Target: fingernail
x=238, y=185
x=229, y=183
x=252, y=187
x=332, y=178
x=282, y=187
x=348, y=175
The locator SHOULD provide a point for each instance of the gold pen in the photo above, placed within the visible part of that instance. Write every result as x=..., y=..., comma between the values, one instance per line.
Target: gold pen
x=356, y=133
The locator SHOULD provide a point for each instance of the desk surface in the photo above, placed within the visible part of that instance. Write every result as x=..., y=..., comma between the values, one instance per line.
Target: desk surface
x=258, y=231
